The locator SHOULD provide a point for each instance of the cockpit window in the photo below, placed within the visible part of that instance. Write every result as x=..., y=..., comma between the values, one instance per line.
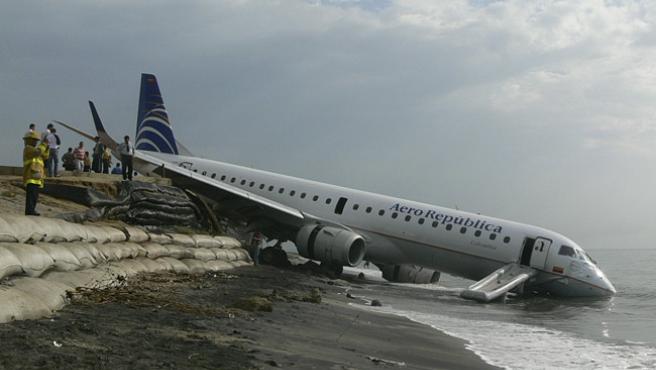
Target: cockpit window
x=590, y=258
x=566, y=251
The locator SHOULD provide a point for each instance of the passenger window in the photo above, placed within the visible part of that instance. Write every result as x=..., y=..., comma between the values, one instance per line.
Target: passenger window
x=394, y=214
x=355, y=207
x=506, y=239
x=195, y=170
x=463, y=230
x=271, y=188
x=243, y=182
x=435, y=223
x=328, y=200
x=381, y=212
x=477, y=233
x=315, y=198
x=233, y=179
x=407, y=218
x=262, y=186
x=223, y=178
x=421, y=221
x=368, y=210
x=493, y=236
x=291, y=193
x=567, y=251
x=281, y=190
x=449, y=226
x=204, y=173
x=303, y=195
x=213, y=175
x=251, y=184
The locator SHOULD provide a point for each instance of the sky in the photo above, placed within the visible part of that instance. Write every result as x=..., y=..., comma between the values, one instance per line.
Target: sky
x=536, y=111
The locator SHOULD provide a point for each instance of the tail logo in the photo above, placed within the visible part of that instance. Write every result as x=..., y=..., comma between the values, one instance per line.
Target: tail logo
x=153, y=127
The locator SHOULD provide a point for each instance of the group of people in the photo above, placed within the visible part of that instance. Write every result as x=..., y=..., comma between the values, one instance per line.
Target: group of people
x=41, y=159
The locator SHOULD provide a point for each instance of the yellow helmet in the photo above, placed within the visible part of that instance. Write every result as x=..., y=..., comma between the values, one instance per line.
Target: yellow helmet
x=32, y=135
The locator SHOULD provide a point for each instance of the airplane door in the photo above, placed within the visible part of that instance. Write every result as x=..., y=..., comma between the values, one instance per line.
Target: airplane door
x=540, y=252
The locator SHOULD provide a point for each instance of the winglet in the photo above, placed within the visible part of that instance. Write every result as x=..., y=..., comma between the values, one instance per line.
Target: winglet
x=100, y=129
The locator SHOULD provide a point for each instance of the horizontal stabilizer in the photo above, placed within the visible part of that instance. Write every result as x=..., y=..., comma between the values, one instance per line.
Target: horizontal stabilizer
x=498, y=283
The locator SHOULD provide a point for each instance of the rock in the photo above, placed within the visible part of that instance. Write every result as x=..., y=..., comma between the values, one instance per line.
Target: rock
x=254, y=304
x=313, y=297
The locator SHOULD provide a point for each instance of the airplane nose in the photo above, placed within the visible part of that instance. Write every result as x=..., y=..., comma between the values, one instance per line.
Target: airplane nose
x=605, y=284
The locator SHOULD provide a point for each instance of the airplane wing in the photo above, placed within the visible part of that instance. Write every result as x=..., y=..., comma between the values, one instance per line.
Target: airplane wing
x=234, y=203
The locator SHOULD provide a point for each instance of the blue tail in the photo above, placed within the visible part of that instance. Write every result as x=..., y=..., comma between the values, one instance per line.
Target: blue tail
x=153, y=127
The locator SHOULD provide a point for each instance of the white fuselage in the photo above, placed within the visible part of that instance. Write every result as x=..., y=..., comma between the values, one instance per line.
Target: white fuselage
x=399, y=231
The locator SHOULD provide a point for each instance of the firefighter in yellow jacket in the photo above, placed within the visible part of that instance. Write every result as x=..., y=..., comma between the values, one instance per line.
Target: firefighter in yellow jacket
x=34, y=173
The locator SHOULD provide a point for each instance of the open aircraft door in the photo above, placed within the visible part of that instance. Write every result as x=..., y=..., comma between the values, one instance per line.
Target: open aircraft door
x=535, y=252
x=540, y=252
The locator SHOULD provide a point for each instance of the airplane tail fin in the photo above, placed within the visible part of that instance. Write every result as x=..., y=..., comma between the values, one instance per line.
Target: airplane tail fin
x=154, y=131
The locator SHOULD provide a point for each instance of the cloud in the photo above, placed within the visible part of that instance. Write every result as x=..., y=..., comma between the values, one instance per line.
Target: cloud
x=491, y=105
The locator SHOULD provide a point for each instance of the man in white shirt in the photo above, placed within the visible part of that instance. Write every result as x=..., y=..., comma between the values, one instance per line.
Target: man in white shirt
x=126, y=150
x=53, y=160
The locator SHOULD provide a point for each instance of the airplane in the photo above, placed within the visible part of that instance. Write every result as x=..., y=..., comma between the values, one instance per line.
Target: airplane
x=409, y=241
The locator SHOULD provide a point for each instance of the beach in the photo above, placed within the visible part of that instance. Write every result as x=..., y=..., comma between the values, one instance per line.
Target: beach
x=286, y=318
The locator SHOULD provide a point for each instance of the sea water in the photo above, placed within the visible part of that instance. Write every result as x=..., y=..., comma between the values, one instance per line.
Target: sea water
x=542, y=332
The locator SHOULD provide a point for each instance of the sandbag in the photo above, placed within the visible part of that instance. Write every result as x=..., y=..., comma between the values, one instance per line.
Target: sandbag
x=151, y=265
x=17, y=305
x=205, y=241
x=51, y=293
x=221, y=254
x=165, y=264
x=136, y=234
x=160, y=238
x=176, y=264
x=179, y=252
x=132, y=266
x=133, y=250
x=115, y=235
x=71, y=231
x=242, y=255
x=9, y=263
x=97, y=234
x=6, y=232
x=195, y=266
x=64, y=259
x=23, y=229
x=155, y=250
x=215, y=265
x=203, y=254
x=35, y=261
x=183, y=240
x=228, y=242
x=83, y=255
x=110, y=252
x=91, y=278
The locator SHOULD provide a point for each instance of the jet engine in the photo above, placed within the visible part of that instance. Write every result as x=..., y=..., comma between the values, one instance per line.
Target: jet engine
x=330, y=245
x=409, y=274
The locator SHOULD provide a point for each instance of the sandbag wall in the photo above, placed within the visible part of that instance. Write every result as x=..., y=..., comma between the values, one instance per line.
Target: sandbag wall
x=41, y=258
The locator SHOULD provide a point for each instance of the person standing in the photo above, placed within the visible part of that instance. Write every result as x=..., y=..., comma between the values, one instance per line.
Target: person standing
x=34, y=173
x=53, y=146
x=126, y=150
x=97, y=159
x=78, y=157
x=68, y=162
x=87, y=162
x=106, y=160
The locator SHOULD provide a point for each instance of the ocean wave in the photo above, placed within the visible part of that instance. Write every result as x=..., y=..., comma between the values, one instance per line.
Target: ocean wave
x=519, y=346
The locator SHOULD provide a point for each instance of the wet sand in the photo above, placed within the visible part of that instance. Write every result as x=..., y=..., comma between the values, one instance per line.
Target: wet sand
x=191, y=322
